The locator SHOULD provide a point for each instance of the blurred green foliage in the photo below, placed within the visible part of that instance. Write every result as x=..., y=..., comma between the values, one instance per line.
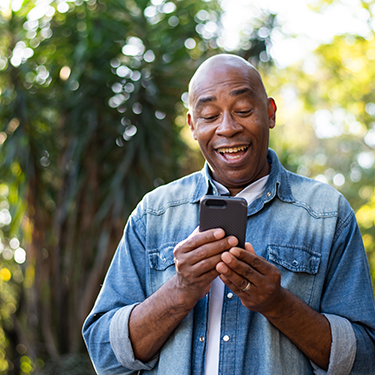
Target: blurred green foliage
x=326, y=126
x=92, y=107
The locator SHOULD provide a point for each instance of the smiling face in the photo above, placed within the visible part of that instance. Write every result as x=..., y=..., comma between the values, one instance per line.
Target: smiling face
x=230, y=117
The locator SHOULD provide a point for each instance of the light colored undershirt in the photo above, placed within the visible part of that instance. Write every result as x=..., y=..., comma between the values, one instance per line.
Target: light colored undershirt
x=250, y=193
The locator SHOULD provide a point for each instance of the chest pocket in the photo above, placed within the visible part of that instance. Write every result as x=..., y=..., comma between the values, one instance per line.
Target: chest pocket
x=298, y=267
x=161, y=266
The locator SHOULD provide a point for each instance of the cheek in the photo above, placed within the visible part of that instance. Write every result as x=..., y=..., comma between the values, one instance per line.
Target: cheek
x=204, y=134
x=259, y=127
x=205, y=148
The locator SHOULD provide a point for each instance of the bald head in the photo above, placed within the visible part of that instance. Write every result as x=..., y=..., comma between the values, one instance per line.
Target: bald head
x=217, y=68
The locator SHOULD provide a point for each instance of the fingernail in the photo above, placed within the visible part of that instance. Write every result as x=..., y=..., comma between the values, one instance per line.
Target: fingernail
x=218, y=233
x=232, y=241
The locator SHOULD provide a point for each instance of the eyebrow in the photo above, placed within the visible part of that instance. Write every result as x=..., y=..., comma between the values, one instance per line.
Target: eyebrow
x=208, y=99
x=245, y=90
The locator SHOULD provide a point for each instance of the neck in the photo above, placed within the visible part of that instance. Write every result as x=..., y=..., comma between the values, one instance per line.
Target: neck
x=234, y=190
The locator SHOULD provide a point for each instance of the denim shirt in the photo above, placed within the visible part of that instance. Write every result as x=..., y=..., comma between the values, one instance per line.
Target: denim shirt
x=306, y=228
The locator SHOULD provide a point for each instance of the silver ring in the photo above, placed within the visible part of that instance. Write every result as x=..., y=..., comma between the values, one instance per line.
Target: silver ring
x=247, y=287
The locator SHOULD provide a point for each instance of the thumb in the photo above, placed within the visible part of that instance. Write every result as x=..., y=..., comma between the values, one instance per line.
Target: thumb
x=249, y=247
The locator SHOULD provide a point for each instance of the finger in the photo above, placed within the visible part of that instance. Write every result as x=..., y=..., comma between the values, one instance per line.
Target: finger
x=195, y=231
x=195, y=276
x=235, y=288
x=249, y=247
x=205, y=265
x=237, y=272
x=197, y=239
x=249, y=257
x=188, y=265
x=180, y=246
x=203, y=258
x=211, y=249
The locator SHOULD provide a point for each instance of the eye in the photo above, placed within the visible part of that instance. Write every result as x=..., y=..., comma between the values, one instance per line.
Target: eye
x=244, y=113
x=209, y=118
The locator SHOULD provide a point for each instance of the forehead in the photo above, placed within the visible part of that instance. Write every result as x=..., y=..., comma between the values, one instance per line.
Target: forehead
x=213, y=84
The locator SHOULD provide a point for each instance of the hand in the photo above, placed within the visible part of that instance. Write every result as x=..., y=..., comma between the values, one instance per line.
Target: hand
x=264, y=294
x=196, y=259
x=152, y=321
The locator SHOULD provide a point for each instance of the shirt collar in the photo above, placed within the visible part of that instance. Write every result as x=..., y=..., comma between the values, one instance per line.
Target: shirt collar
x=277, y=183
x=250, y=192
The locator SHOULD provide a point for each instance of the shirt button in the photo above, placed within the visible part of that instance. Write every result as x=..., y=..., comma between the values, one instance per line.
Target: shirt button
x=269, y=194
x=295, y=263
x=201, y=339
x=226, y=338
x=230, y=295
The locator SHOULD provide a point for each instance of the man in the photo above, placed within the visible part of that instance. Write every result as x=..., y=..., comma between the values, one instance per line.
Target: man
x=297, y=300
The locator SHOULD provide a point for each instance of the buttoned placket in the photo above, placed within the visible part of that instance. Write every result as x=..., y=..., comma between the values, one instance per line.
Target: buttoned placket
x=200, y=335
x=230, y=306
x=228, y=332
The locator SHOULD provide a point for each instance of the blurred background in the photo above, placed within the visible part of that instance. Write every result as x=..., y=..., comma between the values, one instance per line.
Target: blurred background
x=92, y=116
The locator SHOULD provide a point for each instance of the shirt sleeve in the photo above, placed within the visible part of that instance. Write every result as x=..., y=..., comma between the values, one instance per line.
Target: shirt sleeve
x=348, y=301
x=105, y=330
x=342, y=356
x=121, y=344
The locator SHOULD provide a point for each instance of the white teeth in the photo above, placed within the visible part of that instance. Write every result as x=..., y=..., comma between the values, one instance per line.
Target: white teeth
x=232, y=149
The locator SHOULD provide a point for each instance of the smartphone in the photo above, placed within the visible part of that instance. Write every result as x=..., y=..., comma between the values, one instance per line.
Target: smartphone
x=228, y=213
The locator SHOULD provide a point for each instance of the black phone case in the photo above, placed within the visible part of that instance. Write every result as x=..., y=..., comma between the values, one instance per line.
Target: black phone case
x=228, y=213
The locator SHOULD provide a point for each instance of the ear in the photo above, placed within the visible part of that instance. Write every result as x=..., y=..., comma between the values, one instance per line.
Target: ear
x=272, y=108
x=191, y=125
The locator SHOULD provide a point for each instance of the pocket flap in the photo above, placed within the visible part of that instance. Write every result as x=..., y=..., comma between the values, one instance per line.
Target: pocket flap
x=295, y=258
x=161, y=259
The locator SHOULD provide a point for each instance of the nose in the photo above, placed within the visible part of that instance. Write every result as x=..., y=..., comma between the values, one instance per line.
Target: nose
x=228, y=126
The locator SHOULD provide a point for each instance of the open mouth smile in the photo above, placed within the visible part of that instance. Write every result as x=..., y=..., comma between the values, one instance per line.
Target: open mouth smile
x=232, y=153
